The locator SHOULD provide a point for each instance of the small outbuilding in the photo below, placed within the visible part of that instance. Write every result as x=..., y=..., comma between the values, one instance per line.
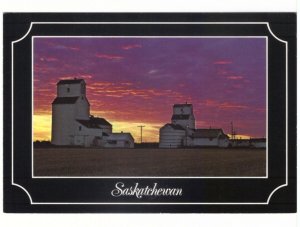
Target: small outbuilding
x=209, y=138
x=118, y=140
x=258, y=142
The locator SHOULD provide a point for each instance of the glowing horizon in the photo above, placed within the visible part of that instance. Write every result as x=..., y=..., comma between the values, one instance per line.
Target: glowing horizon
x=134, y=81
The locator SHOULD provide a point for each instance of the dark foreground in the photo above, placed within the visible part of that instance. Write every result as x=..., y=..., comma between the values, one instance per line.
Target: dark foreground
x=149, y=162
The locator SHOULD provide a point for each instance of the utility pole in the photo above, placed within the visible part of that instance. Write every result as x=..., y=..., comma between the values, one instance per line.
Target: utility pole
x=141, y=126
x=232, y=131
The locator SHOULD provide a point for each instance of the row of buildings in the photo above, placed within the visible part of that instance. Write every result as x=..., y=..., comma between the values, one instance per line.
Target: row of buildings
x=73, y=125
x=181, y=132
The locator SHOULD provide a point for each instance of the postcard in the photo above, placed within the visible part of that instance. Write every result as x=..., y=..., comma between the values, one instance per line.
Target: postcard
x=150, y=112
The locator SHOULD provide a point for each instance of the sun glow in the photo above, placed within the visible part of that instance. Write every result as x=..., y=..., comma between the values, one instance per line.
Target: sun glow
x=150, y=131
x=42, y=127
x=237, y=136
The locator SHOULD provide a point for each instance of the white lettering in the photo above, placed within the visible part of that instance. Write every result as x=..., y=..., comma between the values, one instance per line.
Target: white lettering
x=118, y=191
x=139, y=192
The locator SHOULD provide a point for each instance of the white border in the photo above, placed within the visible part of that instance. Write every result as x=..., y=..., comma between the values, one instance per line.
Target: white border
x=257, y=203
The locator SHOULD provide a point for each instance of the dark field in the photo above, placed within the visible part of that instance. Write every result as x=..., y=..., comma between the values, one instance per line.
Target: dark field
x=149, y=162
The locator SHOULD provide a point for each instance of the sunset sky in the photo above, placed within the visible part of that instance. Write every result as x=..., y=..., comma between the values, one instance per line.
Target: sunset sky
x=134, y=81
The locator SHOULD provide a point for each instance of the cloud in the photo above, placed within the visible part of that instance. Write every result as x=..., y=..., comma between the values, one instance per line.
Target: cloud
x=40, y=69
x=132, y=46
x=160, y=76
x=109, y=56
x=42, y=90
x=115, y=96
x=48, y=59
x=228, y=105
x=78, y=76
x=127, y=83
x=102, y=84
x=234, y=77
x=85, y=76
x=126, y=89
x=74, y=48
x=222, y=62
x=222, y=72
x=152, y=71
x=63, y=47
x=237, y=86
x=66, y=77
x=223, y=105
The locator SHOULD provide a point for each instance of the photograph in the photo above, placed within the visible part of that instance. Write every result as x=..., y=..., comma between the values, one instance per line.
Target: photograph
x=150, y=106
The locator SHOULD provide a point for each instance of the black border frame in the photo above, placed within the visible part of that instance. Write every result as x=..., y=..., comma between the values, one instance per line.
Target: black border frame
x=278, y=196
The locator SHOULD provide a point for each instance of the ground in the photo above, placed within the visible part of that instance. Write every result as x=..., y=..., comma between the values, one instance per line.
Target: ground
x=149, y=162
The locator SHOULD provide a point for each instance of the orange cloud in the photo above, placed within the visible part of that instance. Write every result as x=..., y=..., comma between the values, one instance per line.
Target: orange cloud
x=127, y=89
x=96, y=84
x=223, y=105
x=227, y=105
x=115, y=96
x=234, y=77
x=222, y=62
